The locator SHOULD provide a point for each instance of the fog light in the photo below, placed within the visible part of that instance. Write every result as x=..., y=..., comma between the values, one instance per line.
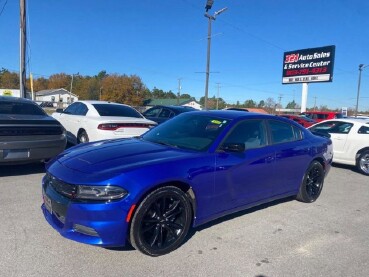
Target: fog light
x=85, y=230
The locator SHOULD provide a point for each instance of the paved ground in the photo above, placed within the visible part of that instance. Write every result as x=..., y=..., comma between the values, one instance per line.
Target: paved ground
x=287, y=238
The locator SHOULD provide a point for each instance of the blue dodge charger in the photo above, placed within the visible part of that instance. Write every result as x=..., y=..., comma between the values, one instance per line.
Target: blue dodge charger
x=150, y=190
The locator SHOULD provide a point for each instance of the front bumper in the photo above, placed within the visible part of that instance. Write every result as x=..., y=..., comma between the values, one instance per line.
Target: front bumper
x=101, y=224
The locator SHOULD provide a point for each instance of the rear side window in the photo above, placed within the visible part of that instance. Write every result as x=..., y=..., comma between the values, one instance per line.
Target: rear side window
x=335, y=127
x=116, y=110
x=364, y=130
x=283, y=132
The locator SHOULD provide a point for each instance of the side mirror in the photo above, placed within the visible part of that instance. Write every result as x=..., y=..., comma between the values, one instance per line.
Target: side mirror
x=233, y=147
x=59, y=110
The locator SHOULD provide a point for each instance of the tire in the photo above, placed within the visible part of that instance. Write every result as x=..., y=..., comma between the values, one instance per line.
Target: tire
x=82, y=137
x=161, y=222
x=312, y=183
x=362, y=162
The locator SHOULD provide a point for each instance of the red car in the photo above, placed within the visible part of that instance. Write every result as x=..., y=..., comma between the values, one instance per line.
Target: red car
x=303, y=120
x=320, y=115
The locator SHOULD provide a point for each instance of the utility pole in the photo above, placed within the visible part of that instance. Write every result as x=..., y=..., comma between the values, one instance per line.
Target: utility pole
x=279, y=102
x=22, y=71
x=361, y=67
x=71, y=88
x=218, y=86
x=179, y=90
x=315, y=103
x=210, y=18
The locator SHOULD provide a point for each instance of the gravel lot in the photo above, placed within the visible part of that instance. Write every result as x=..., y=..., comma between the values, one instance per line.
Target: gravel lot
x=286, y=238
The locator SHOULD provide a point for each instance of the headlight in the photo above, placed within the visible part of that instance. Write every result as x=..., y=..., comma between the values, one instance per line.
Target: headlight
x=100, y=192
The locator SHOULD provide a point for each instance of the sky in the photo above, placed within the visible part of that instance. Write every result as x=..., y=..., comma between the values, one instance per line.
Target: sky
x=165, y=43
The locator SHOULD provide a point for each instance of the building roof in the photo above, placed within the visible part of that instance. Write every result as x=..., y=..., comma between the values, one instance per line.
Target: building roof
x=54, y=91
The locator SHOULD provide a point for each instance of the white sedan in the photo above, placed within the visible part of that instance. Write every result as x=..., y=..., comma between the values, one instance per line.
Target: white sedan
x=350, y=138
x=97, y=120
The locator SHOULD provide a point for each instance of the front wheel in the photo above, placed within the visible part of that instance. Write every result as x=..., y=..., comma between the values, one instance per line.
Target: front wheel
x=312, y=183
x=362, y=162
x=161, y=222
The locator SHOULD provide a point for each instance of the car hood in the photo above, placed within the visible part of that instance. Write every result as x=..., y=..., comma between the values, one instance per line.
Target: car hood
x=117, y=155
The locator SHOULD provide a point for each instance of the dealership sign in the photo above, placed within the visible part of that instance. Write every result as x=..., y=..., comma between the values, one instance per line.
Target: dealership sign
x=308, y=65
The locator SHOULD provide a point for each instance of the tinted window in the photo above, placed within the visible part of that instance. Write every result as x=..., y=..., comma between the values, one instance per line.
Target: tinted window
x=165, y=113
x=72, y=109
x=188, y=131
x=20, y=108
x=249, y=132
x=153, y=112
x=336, y=127
x=82, y=109
x=364, y=130
x=282, y=132
x=116, y=110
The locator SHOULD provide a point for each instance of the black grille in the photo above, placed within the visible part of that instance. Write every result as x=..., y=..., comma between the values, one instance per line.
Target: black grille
x=61, y=187
x=30, y=131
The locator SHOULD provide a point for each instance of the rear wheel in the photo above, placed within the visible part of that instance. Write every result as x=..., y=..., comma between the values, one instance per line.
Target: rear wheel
x=362, y=162
x=161, y=221
x=82, y=137
x=312, y=183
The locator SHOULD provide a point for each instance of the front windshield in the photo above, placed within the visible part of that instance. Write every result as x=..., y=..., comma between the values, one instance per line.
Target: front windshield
x=188, y=131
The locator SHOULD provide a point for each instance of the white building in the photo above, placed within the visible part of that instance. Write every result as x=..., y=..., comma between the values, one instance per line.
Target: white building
x=56, y=96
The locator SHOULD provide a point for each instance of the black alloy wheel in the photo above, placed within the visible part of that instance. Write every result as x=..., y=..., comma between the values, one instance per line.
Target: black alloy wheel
x=161, y=222
x=82, y=137
x=312, y=183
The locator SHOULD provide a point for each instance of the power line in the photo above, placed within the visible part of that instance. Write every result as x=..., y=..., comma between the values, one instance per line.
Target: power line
x=1, y=12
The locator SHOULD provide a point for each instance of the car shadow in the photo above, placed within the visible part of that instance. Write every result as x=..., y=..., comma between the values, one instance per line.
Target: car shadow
x=348, y=167
x=205, y=226
x=193, y=231
x=21, y=169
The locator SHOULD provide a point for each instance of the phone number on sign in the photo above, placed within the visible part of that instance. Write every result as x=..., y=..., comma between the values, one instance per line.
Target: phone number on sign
x=306, y=71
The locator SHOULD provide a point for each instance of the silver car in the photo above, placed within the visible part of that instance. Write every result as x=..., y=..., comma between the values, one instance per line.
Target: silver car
x=27, y=133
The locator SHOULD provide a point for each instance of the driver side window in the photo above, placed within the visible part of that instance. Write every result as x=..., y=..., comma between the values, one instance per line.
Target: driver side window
x=251, y=133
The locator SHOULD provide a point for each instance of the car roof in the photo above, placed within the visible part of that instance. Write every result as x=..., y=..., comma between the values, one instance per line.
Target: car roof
x=177, y=108
x=349, y=120
x=231, y=114
x=98, y=102
x=16, y=99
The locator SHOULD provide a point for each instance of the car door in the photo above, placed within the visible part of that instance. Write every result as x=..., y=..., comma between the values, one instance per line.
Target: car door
x=292, y=156
x=339, y=131
x=244, y=177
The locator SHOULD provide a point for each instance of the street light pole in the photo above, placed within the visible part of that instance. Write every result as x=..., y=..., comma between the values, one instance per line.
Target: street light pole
x=210, y=18
x=361, y=67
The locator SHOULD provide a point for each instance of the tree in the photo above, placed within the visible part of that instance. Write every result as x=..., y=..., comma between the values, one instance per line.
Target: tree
x=185, y=96
x=291, y=105
x=123, y=89
x=60, y=80
x=270, y=105
x=157, y=93
x=261, y=104
x=8, y=79
x=250, y=103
